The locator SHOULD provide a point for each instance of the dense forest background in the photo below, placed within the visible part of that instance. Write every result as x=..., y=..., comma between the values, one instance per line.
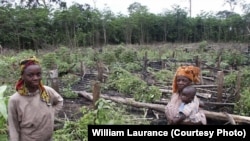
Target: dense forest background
x=34, y=24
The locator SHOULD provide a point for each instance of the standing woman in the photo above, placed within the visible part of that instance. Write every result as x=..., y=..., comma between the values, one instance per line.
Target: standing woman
x=184, y=76
x=32, y=108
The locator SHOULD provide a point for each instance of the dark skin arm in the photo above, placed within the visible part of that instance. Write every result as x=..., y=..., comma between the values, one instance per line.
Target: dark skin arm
x=202, y=104
x=178, y=120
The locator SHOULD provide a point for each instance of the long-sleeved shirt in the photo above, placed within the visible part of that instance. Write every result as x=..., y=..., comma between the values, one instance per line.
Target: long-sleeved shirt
x=172, y=110
x=191, y=111
x=31, y=119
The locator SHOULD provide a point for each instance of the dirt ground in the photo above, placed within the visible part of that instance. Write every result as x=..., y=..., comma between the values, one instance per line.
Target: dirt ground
x=71, y=108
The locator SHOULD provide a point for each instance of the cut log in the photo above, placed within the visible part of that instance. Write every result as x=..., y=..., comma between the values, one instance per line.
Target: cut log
x=217, y=104
x=127, y=101
x=204, y=95
x=160, y=107
x=205, y=86
x=208, y=78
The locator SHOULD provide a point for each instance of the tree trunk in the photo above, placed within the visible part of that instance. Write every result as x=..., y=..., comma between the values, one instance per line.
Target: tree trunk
x=160, y=107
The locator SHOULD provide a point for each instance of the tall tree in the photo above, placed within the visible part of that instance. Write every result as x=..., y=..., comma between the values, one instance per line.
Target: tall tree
x=139, y=15
x=42, y=3
x=190, y=7
x=233, y=3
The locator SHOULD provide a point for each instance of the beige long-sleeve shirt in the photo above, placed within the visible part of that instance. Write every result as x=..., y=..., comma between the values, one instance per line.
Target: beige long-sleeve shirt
x=172, y=110
x=31, y=119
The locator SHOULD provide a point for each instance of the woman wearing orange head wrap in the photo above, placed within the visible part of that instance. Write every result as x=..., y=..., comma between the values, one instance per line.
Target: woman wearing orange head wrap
x=32, y=108
x=184, y=76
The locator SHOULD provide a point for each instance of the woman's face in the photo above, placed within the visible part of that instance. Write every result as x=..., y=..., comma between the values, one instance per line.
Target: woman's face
x=32, y=76
x=182, y=82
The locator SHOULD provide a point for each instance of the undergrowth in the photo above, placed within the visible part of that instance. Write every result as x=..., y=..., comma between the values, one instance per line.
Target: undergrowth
x=106, y=113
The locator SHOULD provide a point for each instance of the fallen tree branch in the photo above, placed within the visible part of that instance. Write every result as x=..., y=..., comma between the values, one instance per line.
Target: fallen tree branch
x=230, y=119
x=204, y=95
x=159, y=107
x=127, y=101
x=205, y=102
x=208, y=78
x=205, y=86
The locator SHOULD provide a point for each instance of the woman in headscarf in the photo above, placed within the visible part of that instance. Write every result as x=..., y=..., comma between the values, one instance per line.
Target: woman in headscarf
x=184, y=76
x=31, y=109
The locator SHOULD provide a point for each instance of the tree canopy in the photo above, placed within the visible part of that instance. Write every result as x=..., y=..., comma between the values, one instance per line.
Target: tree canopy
x=36, y=24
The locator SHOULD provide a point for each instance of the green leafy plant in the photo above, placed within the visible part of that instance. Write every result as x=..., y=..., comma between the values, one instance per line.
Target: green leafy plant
x=202, y=46
x=3, y=108
x=230, y=79
x=233, y=57
x=129, y=84
x=128, y=56
x=68, y=93
x=243, y=105
x=3, y=113
x=133, y=67
x=107, y=113
x=164, y=75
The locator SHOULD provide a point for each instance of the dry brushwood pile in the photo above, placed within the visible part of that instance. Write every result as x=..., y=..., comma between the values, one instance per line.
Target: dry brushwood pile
x=219, y=100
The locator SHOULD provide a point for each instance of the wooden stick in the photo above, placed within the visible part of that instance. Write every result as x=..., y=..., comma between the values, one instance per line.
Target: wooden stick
x=220, y=85
x=161, y=108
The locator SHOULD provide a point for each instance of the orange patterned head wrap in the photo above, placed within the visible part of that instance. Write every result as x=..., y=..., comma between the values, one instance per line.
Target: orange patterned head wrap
x=27, y=62
x=20, y=85
x=190, y=72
